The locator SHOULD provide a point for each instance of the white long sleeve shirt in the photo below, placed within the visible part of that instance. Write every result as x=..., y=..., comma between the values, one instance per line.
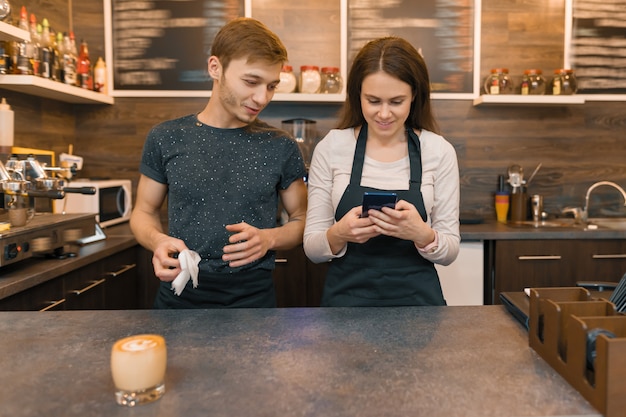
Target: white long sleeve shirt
x=329, y=175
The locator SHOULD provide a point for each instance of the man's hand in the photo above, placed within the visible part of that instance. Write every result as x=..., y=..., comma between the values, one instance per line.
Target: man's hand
x=246, y=245
x=166, y=266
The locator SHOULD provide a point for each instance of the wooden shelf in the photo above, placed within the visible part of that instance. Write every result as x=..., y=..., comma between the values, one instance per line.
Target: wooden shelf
x=12, y=33
x=42, y=87
x=312, y=98
x=534, y=100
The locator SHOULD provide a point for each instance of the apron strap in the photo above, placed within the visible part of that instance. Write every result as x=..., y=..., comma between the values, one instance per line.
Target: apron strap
x=359, y=157
x=414, y=154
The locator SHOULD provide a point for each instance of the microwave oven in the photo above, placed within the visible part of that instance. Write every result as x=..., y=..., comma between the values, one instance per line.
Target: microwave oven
x=112, y=202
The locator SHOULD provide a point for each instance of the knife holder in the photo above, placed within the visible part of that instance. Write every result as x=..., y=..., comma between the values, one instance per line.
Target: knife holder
x=560, y=321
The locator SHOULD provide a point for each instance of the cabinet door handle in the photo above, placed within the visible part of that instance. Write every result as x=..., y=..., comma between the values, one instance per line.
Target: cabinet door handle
x=53, y=304
x=121, y=271
x=88, y=287
x=539, y=257
x=280, y=261
x=610, y=256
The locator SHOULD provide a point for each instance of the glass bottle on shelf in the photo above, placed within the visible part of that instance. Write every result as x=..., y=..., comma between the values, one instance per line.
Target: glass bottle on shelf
x=331, y=80
x=310, y=79
x=83, y=67
x=498, y=82
x=69, y=59
x=21, y=60
x=59, y=52
x=35, y=45
x=288, y=80
x=46, y=53
x=564, y=82
x=5, y=61
x=533, y=82
x=100, y=76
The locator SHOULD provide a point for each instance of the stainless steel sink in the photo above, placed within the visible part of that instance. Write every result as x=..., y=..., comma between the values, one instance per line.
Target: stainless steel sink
x=546, y=224
x=616, y=223
x=613, y=223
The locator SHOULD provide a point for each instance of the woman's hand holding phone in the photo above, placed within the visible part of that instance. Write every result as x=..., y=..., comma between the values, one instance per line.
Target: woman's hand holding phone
x=377, y=200
x=404, y=222
x=350, y=228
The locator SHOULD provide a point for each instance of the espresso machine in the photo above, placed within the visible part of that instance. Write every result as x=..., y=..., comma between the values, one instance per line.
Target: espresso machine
x=26, y=232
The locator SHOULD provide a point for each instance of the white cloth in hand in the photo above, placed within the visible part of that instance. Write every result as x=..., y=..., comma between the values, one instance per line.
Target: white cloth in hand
x=189, y=261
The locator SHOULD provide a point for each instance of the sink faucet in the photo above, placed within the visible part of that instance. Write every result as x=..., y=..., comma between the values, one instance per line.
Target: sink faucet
x=582, y=214
x=585, y=213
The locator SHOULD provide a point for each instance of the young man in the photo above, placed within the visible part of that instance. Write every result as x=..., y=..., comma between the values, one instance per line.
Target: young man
x=222, y=171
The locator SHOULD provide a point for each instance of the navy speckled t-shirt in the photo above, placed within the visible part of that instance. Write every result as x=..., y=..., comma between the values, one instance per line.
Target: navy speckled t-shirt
x=218, y=177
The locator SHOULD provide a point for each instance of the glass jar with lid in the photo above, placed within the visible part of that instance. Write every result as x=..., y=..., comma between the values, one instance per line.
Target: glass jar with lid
x=533, y=82
x=288, y=80
x=310, y=79
x=498, y=82
x=331, y=80
x=564, y=82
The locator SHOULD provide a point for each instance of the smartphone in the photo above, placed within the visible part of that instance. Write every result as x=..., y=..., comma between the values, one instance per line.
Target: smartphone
x=377, y=201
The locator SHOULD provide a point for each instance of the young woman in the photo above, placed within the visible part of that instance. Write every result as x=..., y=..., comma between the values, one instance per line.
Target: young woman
x=385, y=141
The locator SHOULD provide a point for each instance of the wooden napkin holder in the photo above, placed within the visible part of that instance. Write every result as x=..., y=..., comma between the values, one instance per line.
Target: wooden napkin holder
x=561, y=324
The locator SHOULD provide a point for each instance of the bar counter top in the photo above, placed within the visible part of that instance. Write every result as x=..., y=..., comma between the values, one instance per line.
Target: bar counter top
x=408, y=361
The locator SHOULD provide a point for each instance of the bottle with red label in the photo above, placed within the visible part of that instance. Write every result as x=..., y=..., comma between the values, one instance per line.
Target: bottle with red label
x=83, y=67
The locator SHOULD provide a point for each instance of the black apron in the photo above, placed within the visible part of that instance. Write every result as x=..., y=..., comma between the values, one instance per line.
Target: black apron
x=384, y=271
x=244, y=289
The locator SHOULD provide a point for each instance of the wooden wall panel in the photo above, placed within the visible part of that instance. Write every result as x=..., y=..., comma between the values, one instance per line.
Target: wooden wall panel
x=577, y=145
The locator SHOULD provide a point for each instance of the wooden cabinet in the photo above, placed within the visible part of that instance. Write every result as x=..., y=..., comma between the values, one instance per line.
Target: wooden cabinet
x=518, y=264
x=84, y=288
x=46, y=296
x=120, y=272
x=290, y=278
x=298, y=281
x=148, y=283
x=111, y=283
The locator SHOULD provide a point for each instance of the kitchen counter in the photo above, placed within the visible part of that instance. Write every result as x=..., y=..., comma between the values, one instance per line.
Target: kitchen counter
x=493, y=230
x=430, y=361
x=36, y=270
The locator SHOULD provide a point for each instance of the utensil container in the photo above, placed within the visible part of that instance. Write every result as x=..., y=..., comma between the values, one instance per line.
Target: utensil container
x=584, y=340
x=519, y=204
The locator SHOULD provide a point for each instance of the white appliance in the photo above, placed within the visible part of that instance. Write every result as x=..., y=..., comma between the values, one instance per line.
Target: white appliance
x=462, y=280
x=112, y=201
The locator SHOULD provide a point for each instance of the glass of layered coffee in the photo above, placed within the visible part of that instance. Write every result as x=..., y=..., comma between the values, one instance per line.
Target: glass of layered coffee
x=138, y=366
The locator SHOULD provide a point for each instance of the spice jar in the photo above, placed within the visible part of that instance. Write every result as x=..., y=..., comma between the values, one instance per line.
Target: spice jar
x=331, y=80
x=564, y=82
x=533, y=82
x=287, y=80
x=310, y=79
x=498, y=82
